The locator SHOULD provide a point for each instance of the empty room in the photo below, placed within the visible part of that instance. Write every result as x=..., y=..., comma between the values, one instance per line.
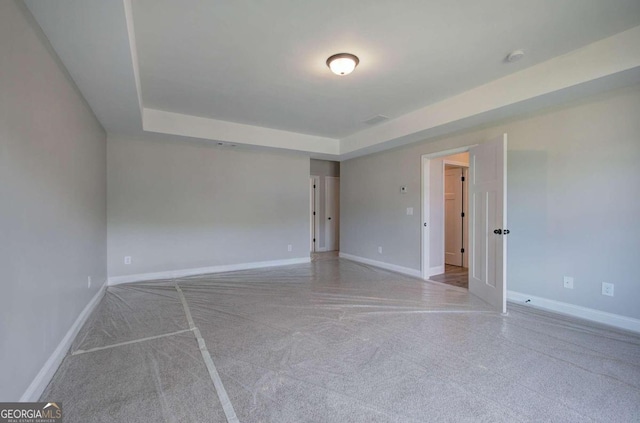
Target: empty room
x=390, y=211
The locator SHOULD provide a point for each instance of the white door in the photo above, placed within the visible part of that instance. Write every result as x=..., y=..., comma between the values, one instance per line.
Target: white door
x=332, y=213
x=487, y=222
x=453, y=233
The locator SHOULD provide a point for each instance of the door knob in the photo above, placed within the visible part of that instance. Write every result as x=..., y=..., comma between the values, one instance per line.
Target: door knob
x=506, y=231
x=425, y=224
x=497, y=231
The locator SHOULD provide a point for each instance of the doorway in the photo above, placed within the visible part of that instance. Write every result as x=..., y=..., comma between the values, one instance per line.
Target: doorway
x=332, y=213
x=486, y=187
x=455, y=212
x=324, y=200
x=455, y=202
x=314, y=204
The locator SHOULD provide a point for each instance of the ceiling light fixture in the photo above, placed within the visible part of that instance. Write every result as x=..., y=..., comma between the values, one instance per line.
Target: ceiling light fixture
x=343, y=63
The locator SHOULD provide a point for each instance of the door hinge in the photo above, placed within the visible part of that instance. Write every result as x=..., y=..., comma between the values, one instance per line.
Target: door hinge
x=314, y=186
x=314, y=240
x=314, y=213
x=462, y=178
x=462, y=250
x=462, y=214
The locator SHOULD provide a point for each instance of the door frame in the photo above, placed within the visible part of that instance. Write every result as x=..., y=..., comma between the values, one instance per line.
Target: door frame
x=425, y=206
x=314, y=203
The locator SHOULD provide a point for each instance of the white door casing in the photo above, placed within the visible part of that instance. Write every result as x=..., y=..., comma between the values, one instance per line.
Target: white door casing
x=429, y=231
x=487, y=213
x=424, y=228
x=332, y=213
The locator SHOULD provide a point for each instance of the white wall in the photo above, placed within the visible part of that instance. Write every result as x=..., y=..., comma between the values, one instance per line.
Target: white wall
x=572, y=203
x=175, y=205
x=53, y=201
x=322, y=169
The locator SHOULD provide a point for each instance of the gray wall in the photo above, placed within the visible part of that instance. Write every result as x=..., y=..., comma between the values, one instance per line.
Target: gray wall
x=174, y=204
x=573, y=202
x=53, y=201
x=322, y=169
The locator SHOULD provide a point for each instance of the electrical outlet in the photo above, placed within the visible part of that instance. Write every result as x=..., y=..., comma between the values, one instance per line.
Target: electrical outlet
x=88, y=281
x=289, y=247
x=127, y=260
x=379, y=250
x=568, y=282
x=607, y=289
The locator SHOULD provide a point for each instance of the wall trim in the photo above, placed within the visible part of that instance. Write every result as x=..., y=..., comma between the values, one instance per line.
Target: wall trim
x=171, y=274
x=435, y=270
x=44, y=376
x=387, y=266
x=616, y=320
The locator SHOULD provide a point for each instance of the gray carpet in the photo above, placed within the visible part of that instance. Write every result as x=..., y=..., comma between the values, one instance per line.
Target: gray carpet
x=337, y=341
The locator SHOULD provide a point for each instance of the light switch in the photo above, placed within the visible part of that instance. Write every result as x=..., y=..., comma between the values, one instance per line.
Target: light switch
x=409, y=211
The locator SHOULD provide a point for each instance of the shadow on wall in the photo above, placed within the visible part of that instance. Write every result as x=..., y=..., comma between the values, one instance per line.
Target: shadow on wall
x=527, y=188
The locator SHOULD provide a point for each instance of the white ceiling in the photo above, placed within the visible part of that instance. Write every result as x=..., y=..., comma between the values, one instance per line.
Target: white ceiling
x=262, y=64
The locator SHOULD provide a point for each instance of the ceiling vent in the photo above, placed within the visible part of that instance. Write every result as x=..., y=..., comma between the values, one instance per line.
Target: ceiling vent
x=376, y=120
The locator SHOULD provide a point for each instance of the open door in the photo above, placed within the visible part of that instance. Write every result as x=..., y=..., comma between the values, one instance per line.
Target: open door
x=488, y=222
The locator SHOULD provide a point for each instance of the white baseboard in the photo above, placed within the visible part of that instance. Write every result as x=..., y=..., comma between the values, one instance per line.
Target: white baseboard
x=387, y=266
x=44, y=376
x=436, y=270
x=321, y=250
x=622, y=322
x=171, y=274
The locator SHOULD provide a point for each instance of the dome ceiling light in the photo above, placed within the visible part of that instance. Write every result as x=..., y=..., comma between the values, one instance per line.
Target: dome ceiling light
x=342, y=63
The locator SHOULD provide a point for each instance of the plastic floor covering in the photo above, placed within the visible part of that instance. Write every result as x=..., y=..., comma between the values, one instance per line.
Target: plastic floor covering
x=337, y=341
